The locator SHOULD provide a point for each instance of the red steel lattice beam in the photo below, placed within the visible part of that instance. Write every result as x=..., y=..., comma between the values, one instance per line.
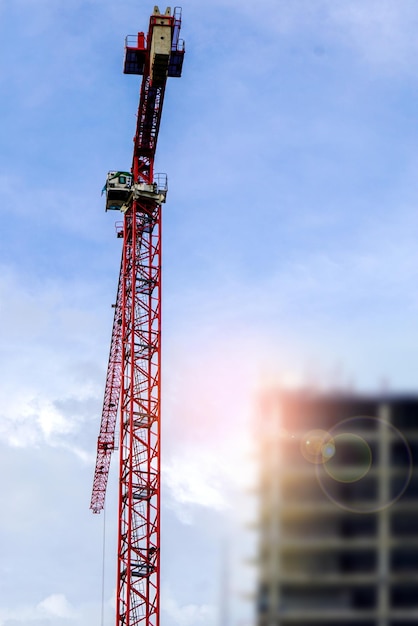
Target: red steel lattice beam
x=134, y=371
x=106, y=439
x=139, y=486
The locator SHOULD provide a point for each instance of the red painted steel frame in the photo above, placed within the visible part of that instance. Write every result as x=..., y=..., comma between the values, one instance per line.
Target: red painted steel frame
x=106, y=439
x=139, y=487
x=134, y=372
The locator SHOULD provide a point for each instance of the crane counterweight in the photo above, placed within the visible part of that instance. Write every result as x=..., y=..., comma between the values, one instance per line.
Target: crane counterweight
x=166, y=50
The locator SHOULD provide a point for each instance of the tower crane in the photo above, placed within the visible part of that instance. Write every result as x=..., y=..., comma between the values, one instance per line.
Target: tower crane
x=133, y=380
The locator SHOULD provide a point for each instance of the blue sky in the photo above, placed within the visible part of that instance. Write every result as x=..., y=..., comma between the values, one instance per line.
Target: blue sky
x=290, y=256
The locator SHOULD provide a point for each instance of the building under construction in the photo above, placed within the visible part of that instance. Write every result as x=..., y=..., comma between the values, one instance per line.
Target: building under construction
x=338, y=510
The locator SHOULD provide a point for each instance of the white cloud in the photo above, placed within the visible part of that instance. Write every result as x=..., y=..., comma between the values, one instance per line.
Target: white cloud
x=56, y=605
x=51, y=421
x=51, y=351
x=187, y=614
x=210, y=475
x=195, y=478
x=34, y=421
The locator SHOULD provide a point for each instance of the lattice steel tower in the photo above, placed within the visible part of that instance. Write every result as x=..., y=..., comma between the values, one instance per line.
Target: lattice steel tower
x=133, y=382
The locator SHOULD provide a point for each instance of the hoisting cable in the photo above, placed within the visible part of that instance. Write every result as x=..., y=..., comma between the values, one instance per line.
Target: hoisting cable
x=103, y=565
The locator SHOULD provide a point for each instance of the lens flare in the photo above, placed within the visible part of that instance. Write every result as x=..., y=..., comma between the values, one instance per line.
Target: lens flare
x=369, y=465
x=317, y=446
x=352, y=458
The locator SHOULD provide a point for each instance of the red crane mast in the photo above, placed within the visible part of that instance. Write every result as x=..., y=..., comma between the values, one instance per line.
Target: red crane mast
x=133, y=381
